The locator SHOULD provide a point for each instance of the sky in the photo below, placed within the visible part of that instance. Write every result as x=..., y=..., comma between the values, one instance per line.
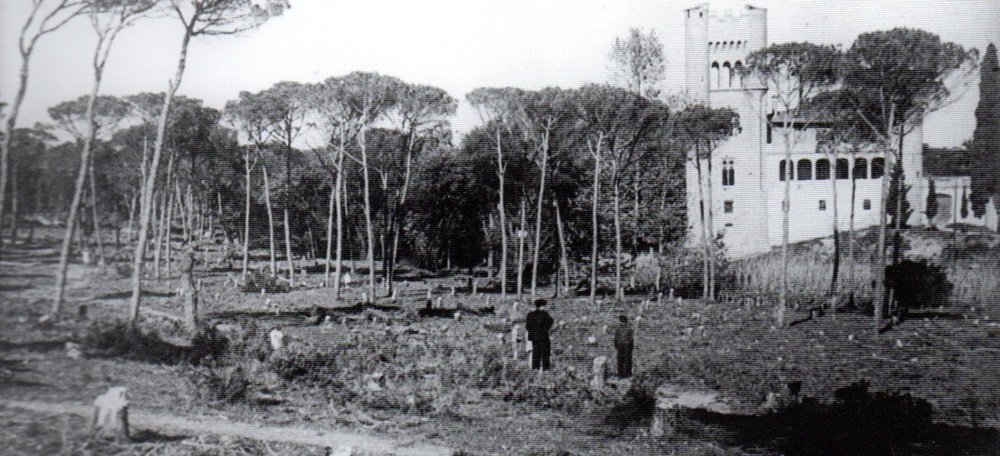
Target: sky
x=457, y=45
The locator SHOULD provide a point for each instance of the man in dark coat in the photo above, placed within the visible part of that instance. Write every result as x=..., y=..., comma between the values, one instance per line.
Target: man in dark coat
x=624, y=343
x=538, y=324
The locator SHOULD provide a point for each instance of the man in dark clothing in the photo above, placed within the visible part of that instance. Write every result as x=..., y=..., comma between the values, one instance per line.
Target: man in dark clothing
x=538, y=323
x=624, y=343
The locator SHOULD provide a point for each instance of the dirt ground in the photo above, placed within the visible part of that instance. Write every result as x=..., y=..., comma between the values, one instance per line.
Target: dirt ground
x=949, y=358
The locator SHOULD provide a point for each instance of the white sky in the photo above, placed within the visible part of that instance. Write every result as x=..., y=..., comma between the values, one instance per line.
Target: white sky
x=457, y=45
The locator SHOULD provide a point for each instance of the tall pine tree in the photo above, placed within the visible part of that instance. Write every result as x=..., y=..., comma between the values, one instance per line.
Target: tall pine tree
x=986, y=138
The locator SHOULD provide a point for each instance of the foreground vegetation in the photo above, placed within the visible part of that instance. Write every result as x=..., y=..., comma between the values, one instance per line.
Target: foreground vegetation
x=385, y=369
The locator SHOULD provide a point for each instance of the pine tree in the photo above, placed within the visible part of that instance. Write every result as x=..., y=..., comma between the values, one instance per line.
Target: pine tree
x=986, y=137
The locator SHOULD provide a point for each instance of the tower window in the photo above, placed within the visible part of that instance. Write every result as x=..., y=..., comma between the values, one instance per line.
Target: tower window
x=805, y=169
x=822, y=169
x=781, y=171
x=738, y=73
x=727, y=207
x=878, y=167
x=867, y=204
x=860, y=168
x=842, y=168
x=728, y=173
x=715, y=75
x=727, y=74
x=822, y=205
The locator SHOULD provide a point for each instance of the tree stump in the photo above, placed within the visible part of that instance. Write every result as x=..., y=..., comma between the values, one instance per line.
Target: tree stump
x=190, y=291
x=277, y=339
x=600, y=373
x=513, y=339
x=111, y=413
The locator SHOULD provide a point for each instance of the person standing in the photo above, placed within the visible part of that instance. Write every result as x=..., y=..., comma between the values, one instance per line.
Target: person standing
x=538, y=323
x=624, y=343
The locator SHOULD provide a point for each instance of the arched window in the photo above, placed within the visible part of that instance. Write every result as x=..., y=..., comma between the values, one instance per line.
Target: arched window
x=715, y=75
x=878, y=167
x=822, y=169
x=842, y=169
x=781, y=171
x=728, y=173
x=804, y=169
x=727, y=75
x=860, y=168
x=738, y=73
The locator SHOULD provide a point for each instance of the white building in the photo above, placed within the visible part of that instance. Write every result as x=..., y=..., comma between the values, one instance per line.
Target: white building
x=747, y=179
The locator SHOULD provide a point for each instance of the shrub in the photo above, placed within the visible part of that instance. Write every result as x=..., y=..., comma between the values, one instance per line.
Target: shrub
x=646, y=266
x=918, y=284
x=682, y=271
x=256, y=281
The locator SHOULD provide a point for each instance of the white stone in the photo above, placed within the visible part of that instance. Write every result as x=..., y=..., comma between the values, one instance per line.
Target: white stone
x=277, y=339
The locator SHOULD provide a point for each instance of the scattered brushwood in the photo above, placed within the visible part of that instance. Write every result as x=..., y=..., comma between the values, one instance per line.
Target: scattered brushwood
x=225, y=385
x=258, y=282
x=208, y=344
x=120, y=341
x=248, y=341
x=315, y=366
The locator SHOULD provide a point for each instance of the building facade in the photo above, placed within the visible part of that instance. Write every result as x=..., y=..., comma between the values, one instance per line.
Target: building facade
x=743, y=184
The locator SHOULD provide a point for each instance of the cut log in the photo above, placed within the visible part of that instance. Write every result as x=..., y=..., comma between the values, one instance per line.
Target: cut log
x=111, y=413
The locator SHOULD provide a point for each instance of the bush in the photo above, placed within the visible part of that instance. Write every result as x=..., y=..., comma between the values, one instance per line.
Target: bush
x=918, y=284
x=646, y=266
x=257, y=281
x=682, y=271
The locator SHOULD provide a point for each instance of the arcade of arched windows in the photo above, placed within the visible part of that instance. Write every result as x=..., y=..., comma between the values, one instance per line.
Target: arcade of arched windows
x=805, y=169
x=727, y=75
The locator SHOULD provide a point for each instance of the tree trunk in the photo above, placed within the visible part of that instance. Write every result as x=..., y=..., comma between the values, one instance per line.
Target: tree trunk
x=562, y=246
x=147, y=202
x=704, y=226
x=595, y=229
x=341, y=204
x=851, y=281
x=288, y=250
x=619, y=292
x=190, y=291
x=246, y=212
x=502, y=210
x=710, y=216
x=7, y=137
x=785, y=207
x=521, y=235
x=636, y=194
x=880, y=291
x=81, y=177
x=538, y=220
x=329, y=231
x=14, y=196
x=287, y=202
x=270, y=221
x=836, y=237
x=369, y=230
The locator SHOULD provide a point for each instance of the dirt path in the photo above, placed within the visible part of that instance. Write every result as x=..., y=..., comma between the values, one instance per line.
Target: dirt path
x=339, y=442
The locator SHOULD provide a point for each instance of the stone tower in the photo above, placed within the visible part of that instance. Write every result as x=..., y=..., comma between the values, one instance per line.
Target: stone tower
x=716, y=47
